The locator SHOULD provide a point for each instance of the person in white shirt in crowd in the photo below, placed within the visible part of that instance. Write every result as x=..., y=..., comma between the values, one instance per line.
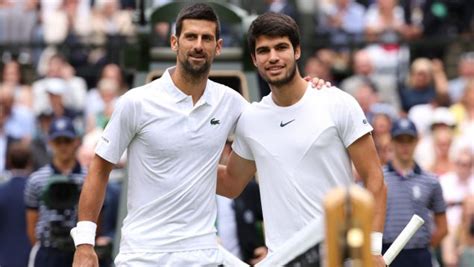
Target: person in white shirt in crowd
x=74, y=91
x=456, y=185
x=457, y=85
x=440, y=126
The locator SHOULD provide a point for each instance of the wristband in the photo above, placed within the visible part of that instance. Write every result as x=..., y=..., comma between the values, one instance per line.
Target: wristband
x=84, y=233
x=376, y=243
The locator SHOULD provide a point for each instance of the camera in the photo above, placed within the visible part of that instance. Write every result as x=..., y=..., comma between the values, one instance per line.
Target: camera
x=61, y=195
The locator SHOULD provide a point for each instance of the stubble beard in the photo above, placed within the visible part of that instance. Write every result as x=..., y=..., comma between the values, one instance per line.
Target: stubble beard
x=195, y=71
x=286, y=79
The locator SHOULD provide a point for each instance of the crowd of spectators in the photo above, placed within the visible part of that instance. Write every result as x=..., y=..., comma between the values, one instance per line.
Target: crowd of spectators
x=369, y=56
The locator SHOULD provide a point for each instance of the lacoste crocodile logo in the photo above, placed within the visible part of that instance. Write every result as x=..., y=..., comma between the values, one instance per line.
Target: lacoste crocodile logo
x=215, y=121
x=286, y=123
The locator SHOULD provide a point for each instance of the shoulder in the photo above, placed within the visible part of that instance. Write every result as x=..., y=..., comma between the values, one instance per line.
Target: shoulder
x=40, y=176
x=334, y=98
x=225, y=91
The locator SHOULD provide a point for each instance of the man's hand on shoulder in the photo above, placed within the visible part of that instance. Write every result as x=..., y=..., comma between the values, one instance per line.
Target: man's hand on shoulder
x=317, y=82
x=85, y=256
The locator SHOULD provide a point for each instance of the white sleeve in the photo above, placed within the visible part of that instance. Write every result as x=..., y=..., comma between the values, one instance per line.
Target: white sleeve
x=240, y=145
x=120, y=130
x=350, y=119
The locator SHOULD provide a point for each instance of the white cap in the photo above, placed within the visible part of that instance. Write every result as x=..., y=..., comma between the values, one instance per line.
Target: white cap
x=442, y=115
x=55, y=86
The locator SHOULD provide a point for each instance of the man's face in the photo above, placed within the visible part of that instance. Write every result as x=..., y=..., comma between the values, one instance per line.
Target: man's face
x=64, y=148
x=275, y=59
x=404, y=147
x=197, y=46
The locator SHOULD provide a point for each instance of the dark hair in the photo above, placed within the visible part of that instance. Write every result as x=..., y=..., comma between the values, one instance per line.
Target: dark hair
x=273, y=25
x=198, y=11
x=18, y=156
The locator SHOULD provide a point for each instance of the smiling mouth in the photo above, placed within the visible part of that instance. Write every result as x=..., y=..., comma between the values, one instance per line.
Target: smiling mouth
x=274, y=69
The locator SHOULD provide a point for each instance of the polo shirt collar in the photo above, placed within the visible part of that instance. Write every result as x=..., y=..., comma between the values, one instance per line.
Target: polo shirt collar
x=77, y=169
x=179, y=96
x=416, y=170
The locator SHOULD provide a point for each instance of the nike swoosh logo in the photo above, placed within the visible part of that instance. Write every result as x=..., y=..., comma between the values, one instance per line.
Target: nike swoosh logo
x=286, y=123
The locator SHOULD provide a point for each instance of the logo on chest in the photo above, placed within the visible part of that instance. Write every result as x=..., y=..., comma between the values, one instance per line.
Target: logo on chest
x=214, y=121
x=283, y=124
x=416, y=191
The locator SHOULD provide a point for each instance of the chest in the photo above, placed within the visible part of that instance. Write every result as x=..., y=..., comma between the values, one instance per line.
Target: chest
x=291, y=134
x=205, y=128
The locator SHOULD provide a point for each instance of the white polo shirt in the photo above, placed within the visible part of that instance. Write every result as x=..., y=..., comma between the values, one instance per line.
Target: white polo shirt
x=300, y=154
x=173, y=152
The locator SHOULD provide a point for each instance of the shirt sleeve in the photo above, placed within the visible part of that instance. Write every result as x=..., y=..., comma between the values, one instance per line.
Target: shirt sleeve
x=120, y=130
x=350, y=119
x=240, y=145
x=31, y=194
x=437, y=201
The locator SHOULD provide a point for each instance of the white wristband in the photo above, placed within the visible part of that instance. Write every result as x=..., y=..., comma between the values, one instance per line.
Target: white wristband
x=84, y=233
x=376, y=243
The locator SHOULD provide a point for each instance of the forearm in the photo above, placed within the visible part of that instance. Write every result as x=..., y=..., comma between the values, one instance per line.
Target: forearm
x=227, y=185
x=223, y=187
x=31, y=235
x=31, y=220
x=367, y=164
x=232, y=179
x=378, y=190
x=437, y=237
x=93, y=192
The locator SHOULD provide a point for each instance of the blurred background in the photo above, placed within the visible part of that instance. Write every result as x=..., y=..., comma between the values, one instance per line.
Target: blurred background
x=398, y=58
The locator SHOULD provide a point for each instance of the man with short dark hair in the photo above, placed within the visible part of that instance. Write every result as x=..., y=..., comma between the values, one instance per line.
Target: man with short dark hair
x=174, y=130
x=411, y=190
x=301, y=141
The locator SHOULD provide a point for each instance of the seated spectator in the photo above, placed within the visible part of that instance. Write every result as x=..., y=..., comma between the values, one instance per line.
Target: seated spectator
x=18, y=20
x=70, y=23
x=426, y=82
x=108, y=91
x=74, y=91
x=282, y=6
x=109, y=24
x=465, y=73
x=456, y=185
x=368, y=98
x=110, y=72
x=385, y=25
x=318, y=65
x=20, y=121
x=385, y=22
x=363, y=72
x=342, y=21
x=464, y=112
x=434, y=146
x=12, y=77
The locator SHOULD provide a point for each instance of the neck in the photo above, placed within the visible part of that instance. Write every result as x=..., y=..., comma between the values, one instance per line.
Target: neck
x=290, y=93
x=64, y=166
x=403, y=167
x=189, y=84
